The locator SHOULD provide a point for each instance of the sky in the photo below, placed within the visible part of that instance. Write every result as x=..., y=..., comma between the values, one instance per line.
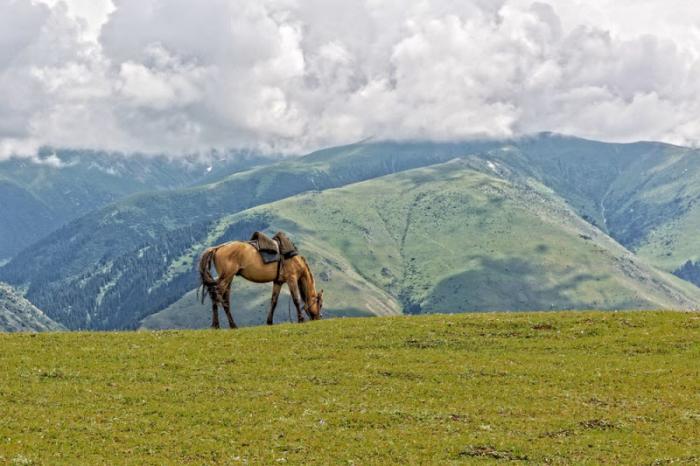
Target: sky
x=291, y=76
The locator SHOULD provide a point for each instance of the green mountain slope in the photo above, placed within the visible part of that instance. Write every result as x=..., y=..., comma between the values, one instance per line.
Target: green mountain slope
x=645, y=195
x=99, y=271
x=448, y=238
x=38, y=197
x=115, y=267
x=657, y=212
x=19, y=315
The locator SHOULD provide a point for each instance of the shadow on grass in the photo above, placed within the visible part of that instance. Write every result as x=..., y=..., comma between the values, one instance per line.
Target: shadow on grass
x=506, y=284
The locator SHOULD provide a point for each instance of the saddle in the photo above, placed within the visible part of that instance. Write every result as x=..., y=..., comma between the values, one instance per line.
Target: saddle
x=275, y=249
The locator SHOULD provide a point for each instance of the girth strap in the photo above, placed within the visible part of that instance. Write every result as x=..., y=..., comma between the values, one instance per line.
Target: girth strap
x=280, y=264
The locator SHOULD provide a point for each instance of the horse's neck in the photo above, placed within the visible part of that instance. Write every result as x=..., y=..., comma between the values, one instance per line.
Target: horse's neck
x=308, y=284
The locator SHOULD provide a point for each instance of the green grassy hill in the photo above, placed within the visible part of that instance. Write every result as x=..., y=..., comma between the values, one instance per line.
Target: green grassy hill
x=19, y=315
x=446, y=238
x=521, y=224
x=539, y=388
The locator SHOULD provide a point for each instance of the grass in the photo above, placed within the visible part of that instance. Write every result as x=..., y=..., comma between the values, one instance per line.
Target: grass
x=562, y=388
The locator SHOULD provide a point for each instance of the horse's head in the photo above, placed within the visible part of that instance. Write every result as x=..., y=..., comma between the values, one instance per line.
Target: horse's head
x=315, y=307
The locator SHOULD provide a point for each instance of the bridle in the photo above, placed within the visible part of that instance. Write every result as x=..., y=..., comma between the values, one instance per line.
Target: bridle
x=318, y=300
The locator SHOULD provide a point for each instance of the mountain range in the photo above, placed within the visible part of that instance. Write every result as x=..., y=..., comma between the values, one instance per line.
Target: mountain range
x=40, y=195
x=539, y=222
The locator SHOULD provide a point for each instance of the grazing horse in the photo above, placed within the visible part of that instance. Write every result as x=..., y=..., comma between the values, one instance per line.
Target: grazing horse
x=241, y=258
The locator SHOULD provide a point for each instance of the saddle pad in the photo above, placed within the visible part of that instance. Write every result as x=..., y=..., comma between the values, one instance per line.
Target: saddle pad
x=269, y=256
x=266, y=255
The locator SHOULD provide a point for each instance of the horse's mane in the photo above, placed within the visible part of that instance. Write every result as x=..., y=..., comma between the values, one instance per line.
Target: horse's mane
x=302, y=282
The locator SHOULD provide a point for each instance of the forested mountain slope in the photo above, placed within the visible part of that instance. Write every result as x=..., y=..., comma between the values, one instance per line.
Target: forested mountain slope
x=38, y=196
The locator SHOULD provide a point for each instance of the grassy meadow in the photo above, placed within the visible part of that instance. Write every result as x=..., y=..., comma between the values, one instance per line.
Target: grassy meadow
x=559, y=388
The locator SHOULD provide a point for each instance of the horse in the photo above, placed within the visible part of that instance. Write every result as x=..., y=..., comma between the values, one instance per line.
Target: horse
x=243, y=259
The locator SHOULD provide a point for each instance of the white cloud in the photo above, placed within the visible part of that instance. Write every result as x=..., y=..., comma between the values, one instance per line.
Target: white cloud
x=164, y=83
x=179, y=76
x=90, y=15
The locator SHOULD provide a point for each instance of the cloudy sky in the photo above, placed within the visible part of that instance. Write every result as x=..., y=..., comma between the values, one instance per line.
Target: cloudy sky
x=182, y=76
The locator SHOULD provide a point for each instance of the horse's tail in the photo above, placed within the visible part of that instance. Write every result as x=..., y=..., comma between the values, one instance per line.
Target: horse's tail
x=208, y=282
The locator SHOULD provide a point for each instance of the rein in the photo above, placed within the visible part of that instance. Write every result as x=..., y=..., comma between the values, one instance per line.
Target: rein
x=308, y=305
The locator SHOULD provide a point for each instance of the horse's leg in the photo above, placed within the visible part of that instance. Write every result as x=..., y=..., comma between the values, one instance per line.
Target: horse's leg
x=276, y=288
x=226, y=299
x=214, y=296
x=294, y=290
x=227, y=310
x=214, y=315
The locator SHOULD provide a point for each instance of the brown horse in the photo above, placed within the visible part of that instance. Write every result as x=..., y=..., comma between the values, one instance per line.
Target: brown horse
x=241, y=258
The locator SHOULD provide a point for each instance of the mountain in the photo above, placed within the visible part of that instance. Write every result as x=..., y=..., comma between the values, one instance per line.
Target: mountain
x=100, y=270
x=645, y=195
x=536, y=222
x=19, y=315
x=655, y=208
x=38, y=196
x=452, y=237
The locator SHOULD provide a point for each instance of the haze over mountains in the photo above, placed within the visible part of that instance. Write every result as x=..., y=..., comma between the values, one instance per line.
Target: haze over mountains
x=39, y=196
x=543, y=222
